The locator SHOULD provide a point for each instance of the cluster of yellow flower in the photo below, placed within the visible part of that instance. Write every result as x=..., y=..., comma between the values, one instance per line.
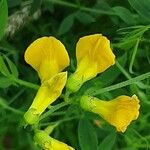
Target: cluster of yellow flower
x=48, y=57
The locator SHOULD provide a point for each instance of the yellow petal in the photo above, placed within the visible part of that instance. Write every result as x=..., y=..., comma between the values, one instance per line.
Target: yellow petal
x=47, y=56
x=118, y=112
x=82, y=74
x=97, y=48
x=49, y=91
x=48, y=143
x=57, y=145
x=94, y=56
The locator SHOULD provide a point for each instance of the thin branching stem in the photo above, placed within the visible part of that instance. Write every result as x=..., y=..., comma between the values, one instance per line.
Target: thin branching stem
x=122, y=84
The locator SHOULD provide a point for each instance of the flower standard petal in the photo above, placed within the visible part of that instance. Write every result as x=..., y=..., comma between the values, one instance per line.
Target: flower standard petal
x=97, y=48
x=49, y=91
x=119, y=112
x=94, y=56
x=47, y=56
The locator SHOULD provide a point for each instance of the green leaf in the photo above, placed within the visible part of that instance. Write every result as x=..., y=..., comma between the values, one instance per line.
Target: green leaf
x=3, y=103
x=103, y=5
x=131, y=36
x=108, y=142
x=5, y=82
x=142, y=7
x=66, y=24
x=12, y=67
x=3, y=68
x=124, y=14
x=87, y=135
x=84, y=18
x=8, y=68
x=3, y=17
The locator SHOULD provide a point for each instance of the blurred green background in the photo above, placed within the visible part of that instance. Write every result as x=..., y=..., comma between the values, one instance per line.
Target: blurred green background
x=125, y=23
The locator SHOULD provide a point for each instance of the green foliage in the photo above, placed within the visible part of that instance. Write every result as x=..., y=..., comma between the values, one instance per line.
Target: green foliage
x=13, y=69
x=108, y=142
x=87, y=135
x=142, y=7
x=66, y=24
x=124, y=14
x=3, y=17
x=9, y=70
x=84, y=18
x=125, y=23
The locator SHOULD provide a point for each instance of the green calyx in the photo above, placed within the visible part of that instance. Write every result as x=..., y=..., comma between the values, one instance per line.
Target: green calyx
x=31, y=116
x=43, y=139
x=86, y=102
x=74, y=83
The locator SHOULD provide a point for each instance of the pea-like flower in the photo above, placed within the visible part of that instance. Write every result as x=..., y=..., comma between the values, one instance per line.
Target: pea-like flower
x=119, y=112
x=49, y=91
x=94, y=56
x=48, y=143
x=48, y=57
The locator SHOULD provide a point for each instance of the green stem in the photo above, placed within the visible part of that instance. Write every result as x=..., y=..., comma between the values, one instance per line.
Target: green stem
x=4, y=105
x=133, y=56
x=71, y=118
x=14, y=110
x=75, y=6
x=52, y=109
x=66, y=96
x=126, y=74
x=25, y=83
x=61, y=121
x=142, y=138
x=16, y=96
x=122, y=84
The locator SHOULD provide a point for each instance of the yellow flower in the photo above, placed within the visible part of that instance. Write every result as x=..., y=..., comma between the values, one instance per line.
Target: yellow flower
x=119, y=112
x=48, y=143
x=47, y=56
x=49, y=91
x=94, y=56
